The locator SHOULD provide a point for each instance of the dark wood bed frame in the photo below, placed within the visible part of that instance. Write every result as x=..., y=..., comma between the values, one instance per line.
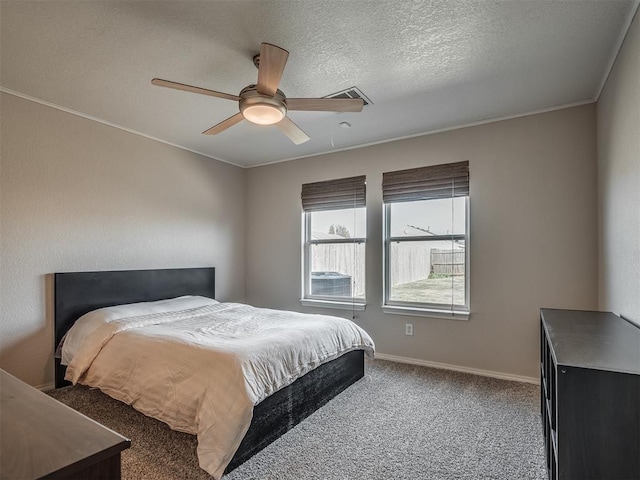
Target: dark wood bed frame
x=77, y=293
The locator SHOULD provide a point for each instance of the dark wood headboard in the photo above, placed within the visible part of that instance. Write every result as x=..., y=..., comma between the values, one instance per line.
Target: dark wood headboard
x=77, y=293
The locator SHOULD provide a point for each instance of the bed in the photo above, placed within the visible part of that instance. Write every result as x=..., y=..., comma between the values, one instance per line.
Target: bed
x=78, y=293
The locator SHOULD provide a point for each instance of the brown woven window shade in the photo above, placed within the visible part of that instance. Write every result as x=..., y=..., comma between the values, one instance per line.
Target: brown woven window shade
x=334, y=194
x=426, y=183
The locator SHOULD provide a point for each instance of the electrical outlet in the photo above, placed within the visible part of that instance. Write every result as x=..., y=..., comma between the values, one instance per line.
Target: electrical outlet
x=408, y=329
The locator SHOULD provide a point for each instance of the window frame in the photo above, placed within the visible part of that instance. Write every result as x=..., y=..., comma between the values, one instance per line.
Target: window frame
x=449, y=311
x=349, y=303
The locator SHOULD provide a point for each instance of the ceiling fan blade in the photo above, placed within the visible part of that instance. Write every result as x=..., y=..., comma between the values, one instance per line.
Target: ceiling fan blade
x=272, y=62
x=223, y=125
x=293, y=131
x=188, y=88
x=326, y=104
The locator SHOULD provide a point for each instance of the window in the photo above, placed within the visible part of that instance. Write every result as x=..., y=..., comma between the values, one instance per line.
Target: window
x=334, y=243
x=426, y=240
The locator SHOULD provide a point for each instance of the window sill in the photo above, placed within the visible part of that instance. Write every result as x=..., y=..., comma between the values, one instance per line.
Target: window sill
x=357, y=306
x=425, y=312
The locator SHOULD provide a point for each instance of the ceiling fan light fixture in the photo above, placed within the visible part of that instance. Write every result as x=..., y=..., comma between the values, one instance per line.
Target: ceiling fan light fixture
x=263, y=114
x=262, y=109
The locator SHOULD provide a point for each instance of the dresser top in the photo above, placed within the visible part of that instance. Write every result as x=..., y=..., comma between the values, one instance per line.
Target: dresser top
x=41, y=436
x=596, y=340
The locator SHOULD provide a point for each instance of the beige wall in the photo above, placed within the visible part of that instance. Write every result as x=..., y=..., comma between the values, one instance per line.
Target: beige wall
x=79, y=195
x=619, y=183
x=533, y=235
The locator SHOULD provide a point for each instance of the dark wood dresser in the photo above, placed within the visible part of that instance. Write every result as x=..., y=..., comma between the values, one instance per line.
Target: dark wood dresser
x=590, y=395
x=42, y=438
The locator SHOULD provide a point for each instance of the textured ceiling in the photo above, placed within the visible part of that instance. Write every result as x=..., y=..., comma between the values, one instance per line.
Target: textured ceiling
x=426, y=65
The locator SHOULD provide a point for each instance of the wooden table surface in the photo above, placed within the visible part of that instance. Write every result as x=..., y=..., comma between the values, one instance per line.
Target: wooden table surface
x=41, y=437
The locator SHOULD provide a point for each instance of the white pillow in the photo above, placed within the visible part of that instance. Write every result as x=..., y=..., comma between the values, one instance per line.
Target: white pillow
x=89, y=322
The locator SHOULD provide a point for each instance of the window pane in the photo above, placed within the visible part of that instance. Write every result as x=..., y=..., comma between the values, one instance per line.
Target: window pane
x=427, y=272
x=444, y=216
x=346, y=223
x=337, y=270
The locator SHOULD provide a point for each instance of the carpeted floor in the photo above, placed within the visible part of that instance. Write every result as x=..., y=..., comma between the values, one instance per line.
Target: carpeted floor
x=400, y=422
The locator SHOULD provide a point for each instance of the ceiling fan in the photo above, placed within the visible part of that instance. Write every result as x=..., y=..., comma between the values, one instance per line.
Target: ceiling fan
x=264, y=103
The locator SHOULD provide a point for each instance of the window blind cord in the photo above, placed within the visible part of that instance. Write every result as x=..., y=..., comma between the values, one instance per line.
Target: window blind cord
x=331, y=131
x=452, y=240
x=353, y=292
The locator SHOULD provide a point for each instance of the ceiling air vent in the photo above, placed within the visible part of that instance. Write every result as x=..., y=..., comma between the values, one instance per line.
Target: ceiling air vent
x=351, y=92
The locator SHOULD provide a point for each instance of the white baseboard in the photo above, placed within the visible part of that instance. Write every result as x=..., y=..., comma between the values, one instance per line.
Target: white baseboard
x=414, y=361
x=46, y=387
x=457, y=368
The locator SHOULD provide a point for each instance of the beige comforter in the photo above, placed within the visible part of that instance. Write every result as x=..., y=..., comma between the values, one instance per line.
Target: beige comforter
x=202, y=370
